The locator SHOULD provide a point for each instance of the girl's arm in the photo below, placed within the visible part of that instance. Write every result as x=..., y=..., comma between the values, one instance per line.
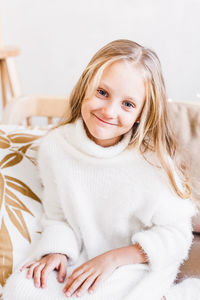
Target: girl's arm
x=168, y=240
x=133, y=254
x=57, y=235
x=167, y=235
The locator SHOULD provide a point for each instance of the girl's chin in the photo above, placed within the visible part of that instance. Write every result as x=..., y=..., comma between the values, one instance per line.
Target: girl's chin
x=101, y=135
x=104, y=139
x=101, y=138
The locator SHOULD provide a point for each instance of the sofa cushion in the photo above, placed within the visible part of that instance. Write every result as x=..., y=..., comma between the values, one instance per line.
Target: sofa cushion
x=185, y=119
x=20, y=193
x=191, y=266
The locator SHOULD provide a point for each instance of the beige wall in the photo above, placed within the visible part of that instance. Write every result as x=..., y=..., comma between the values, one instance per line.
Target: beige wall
x=58, y=37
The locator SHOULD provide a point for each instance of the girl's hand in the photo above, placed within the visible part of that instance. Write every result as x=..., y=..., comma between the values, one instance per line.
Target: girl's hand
x=90, y=274
x=41, y=268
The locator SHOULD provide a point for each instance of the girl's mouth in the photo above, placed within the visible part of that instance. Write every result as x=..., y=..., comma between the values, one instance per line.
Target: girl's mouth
x=104, y=121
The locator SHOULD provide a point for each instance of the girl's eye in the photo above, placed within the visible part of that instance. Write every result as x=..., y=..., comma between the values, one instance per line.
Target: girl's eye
x=102, y=92
x=129, y=104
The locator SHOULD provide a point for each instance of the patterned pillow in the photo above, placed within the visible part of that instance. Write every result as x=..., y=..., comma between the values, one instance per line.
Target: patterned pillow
x=20, y=193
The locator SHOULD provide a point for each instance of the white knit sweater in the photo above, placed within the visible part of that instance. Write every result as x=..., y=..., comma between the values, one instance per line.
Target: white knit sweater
x=100, y=198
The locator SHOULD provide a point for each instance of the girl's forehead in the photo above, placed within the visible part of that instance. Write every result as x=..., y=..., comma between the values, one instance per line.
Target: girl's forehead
x=119, y=70
x=122, y=74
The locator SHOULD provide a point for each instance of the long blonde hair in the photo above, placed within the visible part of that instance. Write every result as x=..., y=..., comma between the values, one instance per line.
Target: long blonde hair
x=154, y=132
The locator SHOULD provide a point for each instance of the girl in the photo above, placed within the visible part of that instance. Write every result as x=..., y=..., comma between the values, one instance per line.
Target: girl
x=117, y=214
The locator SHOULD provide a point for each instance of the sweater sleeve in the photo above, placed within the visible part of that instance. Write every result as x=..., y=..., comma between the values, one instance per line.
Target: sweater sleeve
x=169, y=237
x=57, y=235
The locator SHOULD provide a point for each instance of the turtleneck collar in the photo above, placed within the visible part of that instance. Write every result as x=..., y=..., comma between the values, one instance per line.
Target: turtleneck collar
x=77, y=136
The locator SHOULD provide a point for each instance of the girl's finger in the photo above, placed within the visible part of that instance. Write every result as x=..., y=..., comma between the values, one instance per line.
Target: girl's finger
x=77, y=272
x=96, y=283
x=37, y=274
x=30, y=270
x=73, y=276
x=27, y=265
x=44, y=274
x=87, y=283
x=70, y=288
x=62, y=271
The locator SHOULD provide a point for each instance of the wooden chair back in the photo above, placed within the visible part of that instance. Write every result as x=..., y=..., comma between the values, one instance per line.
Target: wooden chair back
x=23, y=109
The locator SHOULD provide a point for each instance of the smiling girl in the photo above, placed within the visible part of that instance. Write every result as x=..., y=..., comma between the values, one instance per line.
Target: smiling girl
x=117, y=213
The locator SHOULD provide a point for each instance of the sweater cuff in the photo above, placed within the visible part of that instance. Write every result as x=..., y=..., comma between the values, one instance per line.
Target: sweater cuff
x=58, y=239
x=164, y=246
x=168, y=238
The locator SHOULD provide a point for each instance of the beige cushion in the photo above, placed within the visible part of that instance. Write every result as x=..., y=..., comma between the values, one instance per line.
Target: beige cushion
x=20, y=207
x=191, y=267
x=186, y=124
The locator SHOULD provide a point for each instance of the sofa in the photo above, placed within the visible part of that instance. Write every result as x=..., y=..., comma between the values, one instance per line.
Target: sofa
x=21, y=188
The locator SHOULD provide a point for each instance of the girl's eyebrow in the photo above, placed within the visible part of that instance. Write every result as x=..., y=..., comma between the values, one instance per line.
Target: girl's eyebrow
x=102, y=84
x=105, y=85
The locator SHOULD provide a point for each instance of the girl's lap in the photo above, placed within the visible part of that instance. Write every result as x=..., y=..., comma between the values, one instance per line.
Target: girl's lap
x=117, y=285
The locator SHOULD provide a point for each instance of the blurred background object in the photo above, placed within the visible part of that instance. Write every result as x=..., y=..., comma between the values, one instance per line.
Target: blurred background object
x=15, y=107
x=8, y=72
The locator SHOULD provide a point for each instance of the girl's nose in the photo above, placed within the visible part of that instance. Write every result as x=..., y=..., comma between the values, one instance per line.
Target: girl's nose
x=110, y=110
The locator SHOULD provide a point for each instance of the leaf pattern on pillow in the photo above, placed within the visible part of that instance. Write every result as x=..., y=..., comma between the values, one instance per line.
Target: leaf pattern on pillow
x=12, y=199
x=10, y=189
x=9, y=141
x=6, y=258
x=4, y=142
x=21, y=187
x=23, y=149
x=14, y=207
x=22, y=137
x=11, y=160
x=17, y=219
x=2, y=189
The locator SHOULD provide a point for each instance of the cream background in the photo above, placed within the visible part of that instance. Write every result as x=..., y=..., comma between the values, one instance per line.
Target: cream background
x=58, y=37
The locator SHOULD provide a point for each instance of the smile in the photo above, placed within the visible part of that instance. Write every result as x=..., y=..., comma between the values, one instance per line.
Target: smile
x=104, y=121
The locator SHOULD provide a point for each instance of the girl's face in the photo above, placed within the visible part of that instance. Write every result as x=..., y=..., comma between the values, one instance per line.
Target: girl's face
x=115, y=105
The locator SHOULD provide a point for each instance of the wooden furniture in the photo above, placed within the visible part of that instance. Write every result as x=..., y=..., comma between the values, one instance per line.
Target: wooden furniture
x=20, y=107
x=23, y=109
x=8, y=71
